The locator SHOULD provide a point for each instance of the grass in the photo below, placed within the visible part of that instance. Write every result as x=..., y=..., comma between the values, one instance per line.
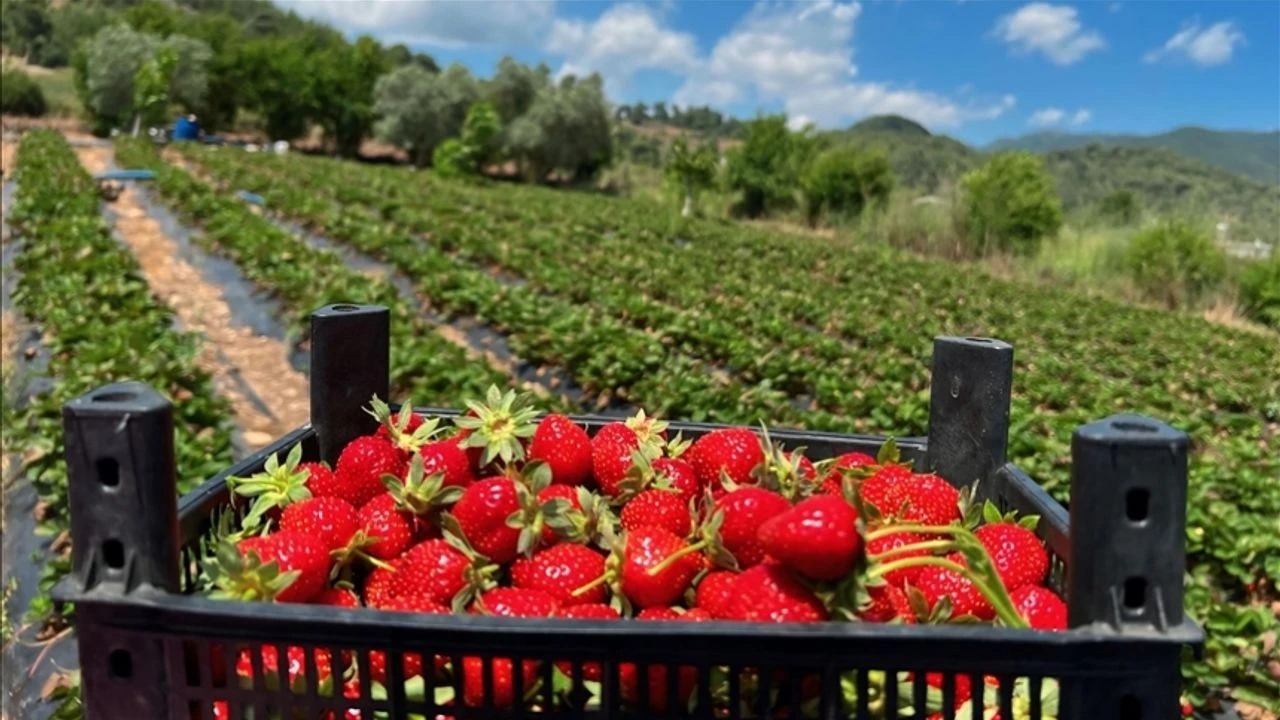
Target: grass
x=59, y=89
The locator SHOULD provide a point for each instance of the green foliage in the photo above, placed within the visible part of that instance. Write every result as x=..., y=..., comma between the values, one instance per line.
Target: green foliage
x=20, y=95
x=565, y=130
x=450, y=159
x=843, y=181
x=418, y=109
x=151, y=85
x=110, y=65
x=1120, y=207
x=1009, y=205
x=690, y=170
x=1260, y=291
x=480, y=133
x=1175, y=263
x=342, y=91
x=273, y=75
x=765, y=169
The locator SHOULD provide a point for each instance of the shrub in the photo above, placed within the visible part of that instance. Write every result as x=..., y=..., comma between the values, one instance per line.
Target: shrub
x=1175, y=263
x=1260, y=291
x=1009, y=205
x=843, y=181
x=1120, y=207
x=451, y=159
x=20, y=95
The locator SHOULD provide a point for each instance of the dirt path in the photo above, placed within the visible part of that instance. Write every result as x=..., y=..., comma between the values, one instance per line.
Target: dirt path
x=269, y=397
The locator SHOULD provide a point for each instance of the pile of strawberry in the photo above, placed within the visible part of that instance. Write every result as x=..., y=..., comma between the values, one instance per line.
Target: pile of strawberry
x=500, y=511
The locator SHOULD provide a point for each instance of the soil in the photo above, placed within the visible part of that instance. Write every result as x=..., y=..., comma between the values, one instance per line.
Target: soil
x=268, y=395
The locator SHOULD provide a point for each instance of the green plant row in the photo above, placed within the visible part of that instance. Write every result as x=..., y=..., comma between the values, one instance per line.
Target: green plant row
x=425, y=366
x=1078, y=359
x=100, y=325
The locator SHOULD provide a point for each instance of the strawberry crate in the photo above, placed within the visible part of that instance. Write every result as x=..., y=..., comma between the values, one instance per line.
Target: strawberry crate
x=150, y=647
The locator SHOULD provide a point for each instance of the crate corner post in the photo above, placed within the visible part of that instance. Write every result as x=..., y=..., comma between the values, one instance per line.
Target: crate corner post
x=123, y=506
x=970, y=393
x=1128, y=558
x=350, y=363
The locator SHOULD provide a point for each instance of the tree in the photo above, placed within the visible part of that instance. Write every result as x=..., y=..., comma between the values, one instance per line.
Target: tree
x=151, y=87
x=480, y=134
x=514, y=86
x=343, y=78
x=109, y=66
x=763, y=168
x=20, y=95
x=273, y=76
x=660, y=113
x=154, y=17
x=845, y=180
x=26, y=28
x=1120, y=206
x=1260, y=290
x=418, y=110
x=1009, y=204
x=1175, y=262
x=566, y=129
x=691, y=170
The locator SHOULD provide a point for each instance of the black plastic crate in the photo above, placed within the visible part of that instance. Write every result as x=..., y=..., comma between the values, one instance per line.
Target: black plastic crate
x=151, y=649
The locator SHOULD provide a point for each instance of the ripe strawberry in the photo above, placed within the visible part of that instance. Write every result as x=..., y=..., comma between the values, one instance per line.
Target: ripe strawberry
x=653, y=571
x=660, y=508
x=406, y=431
x=244, y=571
x=745, y=510
x=818, y=538
x=333, y=520
x=436, y=571
x=804, y=466
x=833, y=481
x=580, y=516
x=515, y=602
x=883, y=489
x=637, y=431
x=715, y=592
x=658, y=613
x=937, y=583
x=1041, y=607
x=295, y=666
x=884, y=543
x=336, y=597
x=561, y=569
x=770, y=593
x=394, y=519
x=482, y=513
x=610, y=462
x=361, y=466
x=564, y=446
x=320, y=479
x=617, y=432
x=1018, y=554
x=591, y=671
x=379, y=587
x=887, y=602
x=931, y=501
x=414, y=422
x=412, y=662
x=502, y=672
x=677, y=475
x=735, y=452
x=567, y=493
x=445, y=456
x=390, y=529
x=494, y=431
x=274, y=488
x=658, y=691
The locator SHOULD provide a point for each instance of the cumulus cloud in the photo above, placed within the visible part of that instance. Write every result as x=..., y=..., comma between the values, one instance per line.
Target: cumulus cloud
x=1052, y=117
x=802, y=57
x=1081, y=117
x=623, y=40
x=440, y=23
x=1053, y=30
x=1213, y=45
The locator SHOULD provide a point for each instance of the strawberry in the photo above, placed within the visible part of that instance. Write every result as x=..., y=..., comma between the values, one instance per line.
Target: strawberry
x=884, y=543
x=586, y=518
x=931, y=501
x=770, y=593
x=804, y=466
x=733, y=452
x=361, y=466
x=336, y=597
x=658, y=691
x=591, y=671
x=658, y=613
x=939, y=583
x=559, y=570
x=661, y=508
x=656, y=567
x=833, y=480
x=446, y=456
x=617, y=432
x=1019, y=556
x=379, y=586
x=390, y=529
x=678, y=475
x=406, y=431
x=745, y=510
x=482, y=514
x=886, y=603
x=394, y=519
x=610, y=462
x=286, y=566
x=657, y=474
x=637, y=431
x=570, y=503
x=439, y=571
x=818, y=538
x=333, y=520
x=564, y=446
x=515, y=602
x=501, y=670
x=295, y=666
x=276, y=487
x=1041, y=607
x=883, y=489
x=321, y=481
x=495, y=430
x=715, y=592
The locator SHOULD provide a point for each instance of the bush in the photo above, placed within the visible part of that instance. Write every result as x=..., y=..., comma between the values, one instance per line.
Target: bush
x=1260, y=291
x=843, y=181
x=451, y=159
x=20, y=95
x=1120, y=207
x=1175, y=263
x=1009, y=205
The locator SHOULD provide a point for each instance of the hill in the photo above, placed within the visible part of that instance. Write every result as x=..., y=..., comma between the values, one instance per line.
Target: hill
x=1252, y=154
x=920, y=159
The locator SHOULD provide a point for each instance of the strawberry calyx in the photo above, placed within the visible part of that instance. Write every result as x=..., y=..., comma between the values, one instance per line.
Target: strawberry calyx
x=345, y=556
x=708, y=542
x=640, y=476
x=277, y=486
x=398, y=425
x=244, y=577
x=532, y=516
x=650, y=432
x=782, y=471
x=498, y=426
x=592, y=522
x=418, y=492
x=480, y=574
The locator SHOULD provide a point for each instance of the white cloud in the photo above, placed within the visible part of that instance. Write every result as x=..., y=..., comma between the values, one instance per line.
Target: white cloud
x=622, y=41
x=1052, y=116
x=801, y=56
x=1213, y=45
x=1054, y=30
x=442, y=23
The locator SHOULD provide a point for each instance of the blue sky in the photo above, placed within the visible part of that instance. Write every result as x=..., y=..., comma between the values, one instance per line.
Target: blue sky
x=975, y=70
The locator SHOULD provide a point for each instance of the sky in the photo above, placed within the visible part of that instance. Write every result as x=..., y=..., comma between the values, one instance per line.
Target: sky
x=974, y=69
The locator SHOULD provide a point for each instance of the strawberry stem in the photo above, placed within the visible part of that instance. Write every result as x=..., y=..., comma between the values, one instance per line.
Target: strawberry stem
x=591, y=585
x=995, y=594
x=932, y=546
x=916, y=528
x=669, y=560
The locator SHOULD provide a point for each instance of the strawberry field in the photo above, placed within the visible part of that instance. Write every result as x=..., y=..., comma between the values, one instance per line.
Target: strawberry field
x=616, y=307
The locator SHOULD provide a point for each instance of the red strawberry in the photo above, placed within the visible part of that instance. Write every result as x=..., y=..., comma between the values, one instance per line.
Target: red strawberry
x=390, y=529
x=482, y=513
x=412, y=661
x=637, y=431
x=732, y=451
x=658, y=697
x=679, y=476
x=361, y=466
x=277, y=486
x=414, y=422
x=336, y=597
x=445, y=456
x=658, y=613
x=320, y=479
x=394, y=519
x=832, y=482
x=883, y=489
x=803, y=465
x=406, y=431
x=770, y=593
x=745, y=510
x=436, y=571
x=515, y=602
x=591, y=671
x=564, y=446
x=884, y=543
x=818, y=538
x=333, y=520
x=1018, y=554
x=651, y=574
x=887, y=602
x=617, y=432
x=503, y=676
x=379, y=587
x=660, y=508
x=569, y=495
x=581, y=516
x=295, y=666
x=715, y=592
x=302, y=563
x=936, y=583
x=610, y=462
x=1041, y=607
x=931, y=501
x=561, y=569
